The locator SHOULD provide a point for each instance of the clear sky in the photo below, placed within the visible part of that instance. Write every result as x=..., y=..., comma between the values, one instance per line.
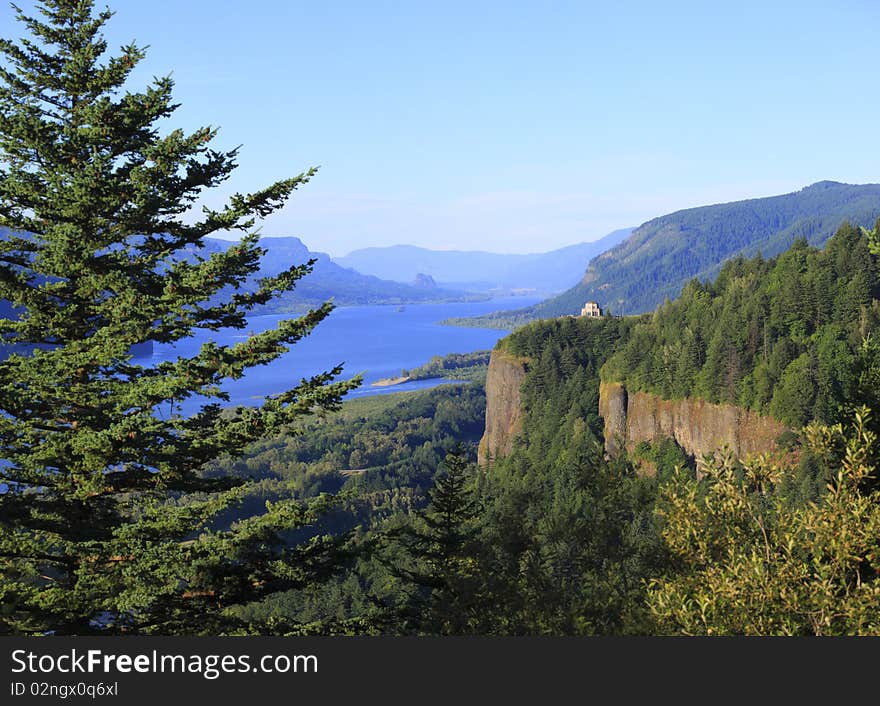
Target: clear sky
x=516, y=126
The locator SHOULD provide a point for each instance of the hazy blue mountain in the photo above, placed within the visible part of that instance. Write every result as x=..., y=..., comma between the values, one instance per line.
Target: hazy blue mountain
x=663, y=254
x=547, y=272
x=329, y=280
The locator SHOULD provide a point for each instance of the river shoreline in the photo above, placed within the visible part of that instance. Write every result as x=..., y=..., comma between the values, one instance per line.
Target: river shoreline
x=375, y=342
x=390, y=382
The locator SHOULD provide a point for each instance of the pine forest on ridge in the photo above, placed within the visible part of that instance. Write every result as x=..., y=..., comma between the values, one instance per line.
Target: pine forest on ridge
x=240, y=400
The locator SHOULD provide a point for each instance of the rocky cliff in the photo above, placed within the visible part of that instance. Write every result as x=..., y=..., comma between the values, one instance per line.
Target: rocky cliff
x=699, y=427
x=503, y=405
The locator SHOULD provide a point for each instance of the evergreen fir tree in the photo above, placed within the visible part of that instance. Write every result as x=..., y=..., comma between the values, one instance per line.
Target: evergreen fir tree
x=440, y=557
x=105, y=520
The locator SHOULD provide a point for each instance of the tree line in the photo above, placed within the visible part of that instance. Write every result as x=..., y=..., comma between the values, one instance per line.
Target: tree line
x=121, y=515
x=782, y=337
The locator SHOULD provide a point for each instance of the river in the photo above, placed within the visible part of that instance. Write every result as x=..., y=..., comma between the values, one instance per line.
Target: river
x=377, y=341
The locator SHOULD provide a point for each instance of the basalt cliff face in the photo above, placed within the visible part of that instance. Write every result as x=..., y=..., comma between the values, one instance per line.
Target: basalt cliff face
x=699, y=427
x=503, y=405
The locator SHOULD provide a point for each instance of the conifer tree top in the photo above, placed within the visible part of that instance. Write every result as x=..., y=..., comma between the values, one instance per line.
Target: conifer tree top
x=98, y=254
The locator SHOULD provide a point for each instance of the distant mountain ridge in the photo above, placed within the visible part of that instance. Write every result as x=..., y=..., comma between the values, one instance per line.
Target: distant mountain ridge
x=329, y=280
x=547, y=272
x=662, y=255
x=326, y=281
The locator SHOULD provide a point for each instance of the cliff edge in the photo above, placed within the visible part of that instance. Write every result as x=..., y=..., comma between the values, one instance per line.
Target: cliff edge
x=699, y=427
x=503, y=405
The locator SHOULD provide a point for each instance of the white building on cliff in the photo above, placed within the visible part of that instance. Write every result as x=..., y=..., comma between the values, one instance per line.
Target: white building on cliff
x=592, y=310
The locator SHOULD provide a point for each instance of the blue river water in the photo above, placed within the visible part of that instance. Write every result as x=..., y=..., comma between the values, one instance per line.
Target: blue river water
x=377, y=341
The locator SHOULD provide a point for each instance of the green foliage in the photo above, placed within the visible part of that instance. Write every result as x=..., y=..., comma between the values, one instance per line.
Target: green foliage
x=571, y=542
x=747, y=562
x=662, y=459
x=567, y=537
x=439, y=547
x=560, y=396
x=568, y=543
x=557, y=539
x=503, y=320
x=456, y=366
x=404, y=437
x=383, y=451
x=781, y=337
x=873, y=237
x=101, y=529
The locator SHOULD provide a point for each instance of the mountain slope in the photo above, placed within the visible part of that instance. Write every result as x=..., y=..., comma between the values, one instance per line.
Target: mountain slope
x=346, y=286
x=767, y=346
x=548, y=272
x=327, y=280
x=781, y=337
x=665, y=253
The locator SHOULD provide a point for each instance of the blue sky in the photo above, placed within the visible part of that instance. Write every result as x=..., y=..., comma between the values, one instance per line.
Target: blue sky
x=516, y=126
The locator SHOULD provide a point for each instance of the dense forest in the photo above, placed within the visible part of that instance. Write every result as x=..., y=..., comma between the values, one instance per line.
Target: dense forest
x=379, y=456
x=553, y=539
x=755, y=546
x=387, y=447
x=303, y=514
x=556, y=538
x=782, y=337
x=567, y=535
x=457, y=366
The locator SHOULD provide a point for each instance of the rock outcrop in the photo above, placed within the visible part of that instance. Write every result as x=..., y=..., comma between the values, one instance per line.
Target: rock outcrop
x=423, y=281
x=699, y=427
x=503, y=405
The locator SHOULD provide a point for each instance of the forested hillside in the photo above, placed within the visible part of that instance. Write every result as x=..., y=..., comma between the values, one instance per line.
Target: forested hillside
x=388, y=448
x=555, y=538
x=781, y=337
x=525, y=511
x=568, y=537
x=379, y=456
x=581, y=544
x=662, y=255
x=137, y=500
